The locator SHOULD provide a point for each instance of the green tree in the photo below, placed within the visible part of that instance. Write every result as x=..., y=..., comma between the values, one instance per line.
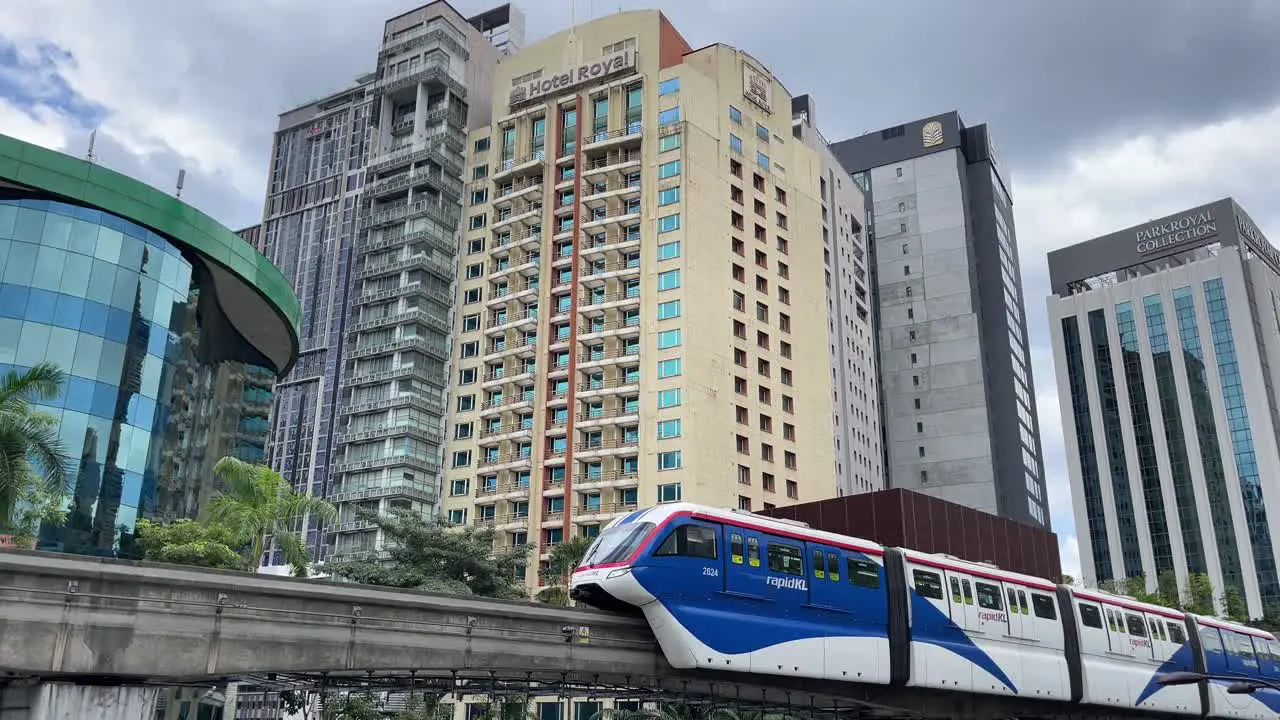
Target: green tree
x=187, y=542
x=565, y=558
x=34, y=475
x=1198, y=597
x=422, y=553
x=1234, y=604
x=1167, y=590
x=255, y=503
x=353, y=706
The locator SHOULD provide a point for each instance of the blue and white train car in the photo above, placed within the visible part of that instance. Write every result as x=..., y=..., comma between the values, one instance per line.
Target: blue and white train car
x=1230, y=649
x=734, y=591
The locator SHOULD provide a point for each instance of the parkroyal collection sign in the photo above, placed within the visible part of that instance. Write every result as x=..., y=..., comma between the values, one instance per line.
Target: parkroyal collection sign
x=1192, y=226
x=560, y=82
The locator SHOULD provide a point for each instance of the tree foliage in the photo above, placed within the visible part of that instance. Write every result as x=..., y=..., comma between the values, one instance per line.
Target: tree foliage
x=425, y=555
x=187, y=542
x=256, y=503
x=34, y=468
x=565, y=558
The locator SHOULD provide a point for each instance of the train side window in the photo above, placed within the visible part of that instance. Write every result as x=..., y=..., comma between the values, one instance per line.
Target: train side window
x=988, y=596
x=1043, y=605
x=819, y=564
x=955, y=590
x=1022, y=603
x=690, y=541
x=968, y=592
x=1154, y=628
x=1210, y=639
x=1090, y=616
x=1160, y=628
x=1137, y=628
x=1013, y=599
x=753, y=552
x=735, y=548
x=927, y=584
x=1111, y=619
x=833, y=566
x=785, y=558
x=1176, y=635
x=864, y=573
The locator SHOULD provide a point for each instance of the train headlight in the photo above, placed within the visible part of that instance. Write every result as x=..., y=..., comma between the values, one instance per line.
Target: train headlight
x=617, y=573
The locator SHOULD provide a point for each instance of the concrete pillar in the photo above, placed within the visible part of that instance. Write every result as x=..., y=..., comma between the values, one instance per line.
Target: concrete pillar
x=62, y=701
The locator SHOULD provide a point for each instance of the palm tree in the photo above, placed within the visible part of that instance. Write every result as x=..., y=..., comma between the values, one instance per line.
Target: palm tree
x=33, y=462
x=565, y=558
x=257, y=502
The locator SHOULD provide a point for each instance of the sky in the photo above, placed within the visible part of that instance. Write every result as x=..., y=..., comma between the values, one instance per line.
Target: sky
x=1106, y=113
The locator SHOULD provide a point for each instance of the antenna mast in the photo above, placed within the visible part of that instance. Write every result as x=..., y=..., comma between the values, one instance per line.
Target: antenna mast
x=93, y=138
x=182, y=176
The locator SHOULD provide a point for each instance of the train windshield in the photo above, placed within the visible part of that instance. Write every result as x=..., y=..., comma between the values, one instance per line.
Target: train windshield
x=616, y=544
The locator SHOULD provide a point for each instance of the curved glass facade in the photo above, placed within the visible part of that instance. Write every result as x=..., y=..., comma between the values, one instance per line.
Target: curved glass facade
x=159, y=387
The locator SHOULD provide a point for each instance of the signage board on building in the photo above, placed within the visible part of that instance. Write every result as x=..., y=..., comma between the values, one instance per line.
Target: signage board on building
x=1258, y=242
x=1192, y=226
x=569, y=78
x=757, y=87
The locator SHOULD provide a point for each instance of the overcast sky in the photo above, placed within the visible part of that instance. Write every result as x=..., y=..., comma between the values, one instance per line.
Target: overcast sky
x=1106, y=113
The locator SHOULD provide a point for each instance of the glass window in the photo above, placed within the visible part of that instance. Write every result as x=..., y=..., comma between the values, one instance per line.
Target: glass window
x=762, y=160
x=669, y=86
x=669, y=116
x=864, y=573
x=669, y=368
x=668, y=429
x=668, y=169
x=1136, y=627
x=785, y=558
x=735, y=548
x=735, y=143
x=735, y=114
x=669, y=142
x=669, y=339
x=1090, y=616
x=667, y=223
x=1210, y=639
x=669, y=251
x=753, y=552
x=668, y=310
x=669, y=461
x=690, y=541
x=988, y=596
x=669, y=196
x=669, y=280
x=1176, y=634
x=669, y=493
x=927, y=584
x=1043, y=605
x=762, y=132
x=669, y=398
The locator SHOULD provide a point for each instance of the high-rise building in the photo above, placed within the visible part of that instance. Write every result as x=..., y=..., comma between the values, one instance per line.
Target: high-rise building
x=855, y=393
x=959, y=412
x=639, y=312
x=361, y=214
x=1165, y=341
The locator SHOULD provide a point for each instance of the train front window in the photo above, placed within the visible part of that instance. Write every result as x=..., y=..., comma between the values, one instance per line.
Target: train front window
x=617, y=543
x=690, y=541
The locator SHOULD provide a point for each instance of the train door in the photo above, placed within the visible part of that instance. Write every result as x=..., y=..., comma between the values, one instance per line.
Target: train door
x=686, y=565
x=940, y=646
x=826, y=591
x=1016, y=619
x=746, y=574
x=960, y=590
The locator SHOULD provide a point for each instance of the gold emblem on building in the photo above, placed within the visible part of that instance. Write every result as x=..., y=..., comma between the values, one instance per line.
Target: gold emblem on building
x=932, y=133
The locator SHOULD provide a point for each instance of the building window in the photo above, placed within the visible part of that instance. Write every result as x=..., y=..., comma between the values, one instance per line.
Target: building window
x=668, y=169
x=667, y=223
x=669, y=142
x=735, y=143
x=670, y=86
x=762, y=160
x=668, y=116
x=669, y=196
x=669, y=461
x=461, y=458
x=478, y=221
x=735, y=115
x=669, y=368
x=669, y=398
x=669, y=339
x=668, y=310
x=668, y=429
x=669, y=492
x=669, y=251
x=669, y=280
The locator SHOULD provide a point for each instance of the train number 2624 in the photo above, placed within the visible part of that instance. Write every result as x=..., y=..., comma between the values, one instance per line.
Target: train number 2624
x=713, y=572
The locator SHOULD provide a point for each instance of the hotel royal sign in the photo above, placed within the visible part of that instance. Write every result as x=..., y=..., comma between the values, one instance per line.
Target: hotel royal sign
x=611, y=64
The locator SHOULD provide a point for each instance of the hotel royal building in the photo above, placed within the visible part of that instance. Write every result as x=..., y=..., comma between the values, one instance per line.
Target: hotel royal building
x=640, y=315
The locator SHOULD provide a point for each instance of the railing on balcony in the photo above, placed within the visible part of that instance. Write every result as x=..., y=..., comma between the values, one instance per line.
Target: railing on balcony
x=501, y=488
x=613, y=158
x=507, y=165
x=607, y=476
x=607, y=384
x=614, y=237
x=605, y=508
x=606, y=413
x=610, y=354
x=630, y=130
x=489, y=461
x=605, y=444
x=506, y=428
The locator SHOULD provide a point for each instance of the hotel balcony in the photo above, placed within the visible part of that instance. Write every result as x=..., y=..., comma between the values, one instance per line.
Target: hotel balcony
x=628, y=136
x=365, y=433
x=552, y=488
x=435, y=321
x=514, y=290
x=501, y=323
x=601, y=244
x=620, y=215
x=412, y=491
x=439, y=32
x=607, y=416
x=590, y=359
x=598, y=328
x=506, y=431
x=526, y=265
x=437, y=70
x=515, y=374
x=509, y=490
x=405, y=290
x=601, y=512
x=507, y=461
x=501, y=348
x=506, y=521
x=595, y=274
x=598, y=388
x=619, y=161
x=422, y=464
x=595, y=303
x=515, y=401
x=599, y=191
x=441, y=267
x=604, y=448
x=608, y=479
x=527, y=189
x=530, y=164
x=386, y=186
x=397, y=237
x=415, y=152
x=408, y=371
x=432, y=347
x=409, y=400
x=517, y=215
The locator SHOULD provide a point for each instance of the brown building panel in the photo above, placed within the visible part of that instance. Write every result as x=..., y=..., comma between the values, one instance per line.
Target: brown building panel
x=671, y=44
x=901, y=518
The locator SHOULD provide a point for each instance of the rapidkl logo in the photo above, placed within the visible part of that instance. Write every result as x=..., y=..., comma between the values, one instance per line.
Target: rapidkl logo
x=992, y=616
x=787, y=583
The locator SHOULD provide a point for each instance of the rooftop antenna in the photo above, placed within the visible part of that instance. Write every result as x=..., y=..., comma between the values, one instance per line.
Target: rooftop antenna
x=93, y=138
x=182, y=177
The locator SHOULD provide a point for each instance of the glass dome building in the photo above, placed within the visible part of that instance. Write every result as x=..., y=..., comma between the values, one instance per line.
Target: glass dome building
x=171, y=329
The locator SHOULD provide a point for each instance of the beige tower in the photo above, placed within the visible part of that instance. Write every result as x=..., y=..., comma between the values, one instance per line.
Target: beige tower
x=641, y=310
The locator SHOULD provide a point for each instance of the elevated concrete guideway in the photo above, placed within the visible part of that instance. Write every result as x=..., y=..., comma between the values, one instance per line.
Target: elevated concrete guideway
x=92, y=621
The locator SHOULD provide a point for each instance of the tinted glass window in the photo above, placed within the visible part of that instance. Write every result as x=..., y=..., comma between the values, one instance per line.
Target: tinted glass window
x=1210, y=639
x=819, y=564
x=1090, y=616
x=785, y=558
x=735, y=548
x=864, y=573
x=1176, y=635
x=1136, y=627
x=833, y=566
x=690, y=541
x=928, y=584
x=753, y=552
x=955, y=590
x=988, y=596
x=1043, y=605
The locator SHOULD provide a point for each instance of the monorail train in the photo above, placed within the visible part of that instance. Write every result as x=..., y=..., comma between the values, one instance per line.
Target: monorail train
x=734, y=591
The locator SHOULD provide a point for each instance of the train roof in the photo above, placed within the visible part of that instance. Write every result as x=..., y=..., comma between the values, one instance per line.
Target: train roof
x=1229, y=625
x=1126, y=602
x=978, y=569
x=749, y=520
